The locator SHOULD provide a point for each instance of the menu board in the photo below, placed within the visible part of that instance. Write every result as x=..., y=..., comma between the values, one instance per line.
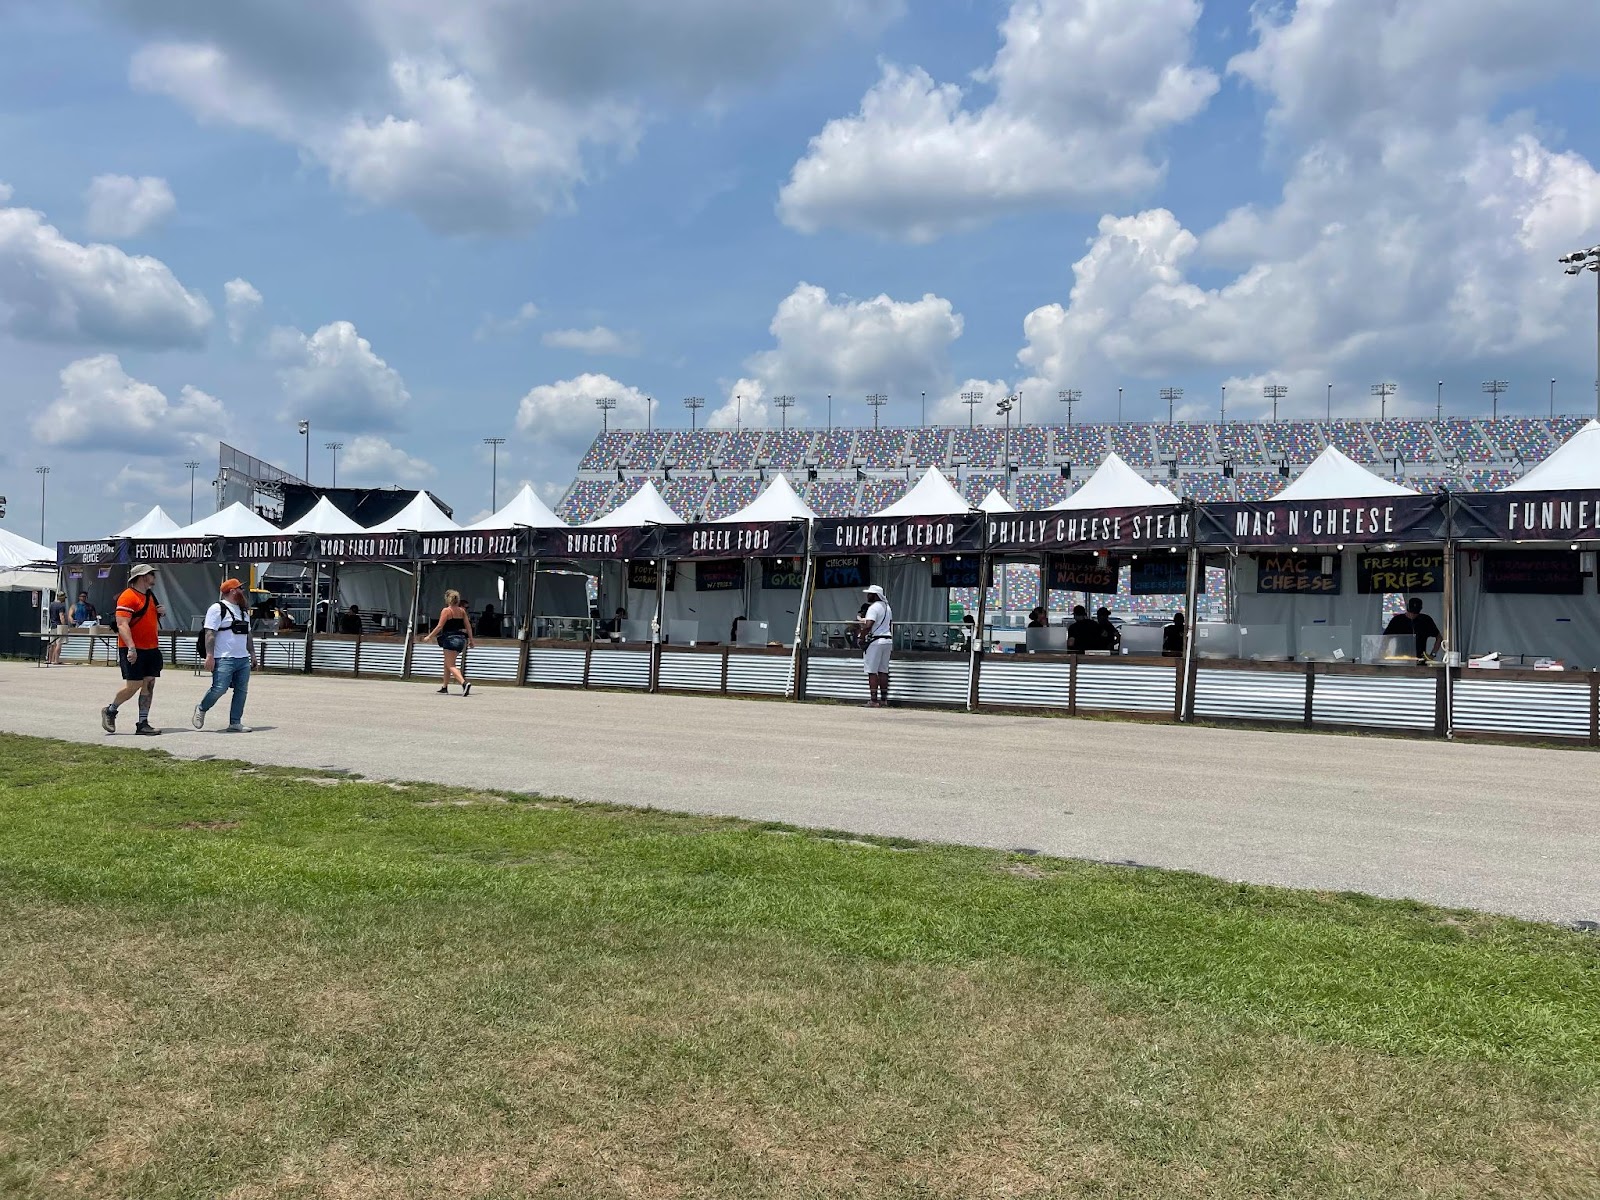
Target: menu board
x=1157, y=576
x=1409, y=571
x=1533, y=572
x=1293, y=573
x=956, y=571
x=719, y=575
x=643, y=576
x=1083, y=573
x=782, y=574
x=843, y=571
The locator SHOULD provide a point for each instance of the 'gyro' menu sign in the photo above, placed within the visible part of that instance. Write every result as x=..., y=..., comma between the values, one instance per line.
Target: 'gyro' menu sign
x=1089, y=529
x=1325, y=522
x=900, y=535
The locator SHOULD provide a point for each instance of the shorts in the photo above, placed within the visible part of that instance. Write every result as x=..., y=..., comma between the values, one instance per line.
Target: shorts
x=875, y=661
x=144, y=664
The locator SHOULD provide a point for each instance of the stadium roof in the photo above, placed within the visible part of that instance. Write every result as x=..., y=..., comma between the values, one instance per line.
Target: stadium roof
x=324, y=517
x=994, y=502
x=153, y=524
x=933, y=496
x=1575, y=465
x=1334, y=476
x=644, y=507
x=778, y=502
x=234, y=521
x=421, y=515
x=524, y=508
x=1116, y=485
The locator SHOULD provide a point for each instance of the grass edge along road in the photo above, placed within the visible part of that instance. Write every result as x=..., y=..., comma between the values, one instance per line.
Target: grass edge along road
x=225, y=980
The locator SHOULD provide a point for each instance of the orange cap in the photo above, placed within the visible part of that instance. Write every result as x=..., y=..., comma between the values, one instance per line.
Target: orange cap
x=231, y=585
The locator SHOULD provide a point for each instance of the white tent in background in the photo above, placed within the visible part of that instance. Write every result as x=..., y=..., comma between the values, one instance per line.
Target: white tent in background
x=1115, y=485
x=994, y=502
x=421, y=515
x=644, y=507
x=19, y=565
x=525, y=508
x=234, y=521
x=777, y=502
x=933, y=496
x=323, y=517
x=153, y=524
x=1333, y=476
x=1574, y=466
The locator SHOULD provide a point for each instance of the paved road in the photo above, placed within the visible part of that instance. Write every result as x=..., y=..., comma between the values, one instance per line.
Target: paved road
x=1502, y=829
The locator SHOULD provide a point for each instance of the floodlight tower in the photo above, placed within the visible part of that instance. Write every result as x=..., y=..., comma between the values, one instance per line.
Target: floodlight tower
x=605, y=404
x=1383, y=391
x=876, y=401
x=1069, y=397
x=1275, y=392
x=694, y=404
x=193, y=467
x=1170, y=394
x=783, y=404
x=1577, y=263
x=971, y=400
x=1494, y=388
x=335, y=447
x=494, y=445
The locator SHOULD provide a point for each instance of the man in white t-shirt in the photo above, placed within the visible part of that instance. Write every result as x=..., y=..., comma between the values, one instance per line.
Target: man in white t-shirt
x=877, y=636
x=228, y=649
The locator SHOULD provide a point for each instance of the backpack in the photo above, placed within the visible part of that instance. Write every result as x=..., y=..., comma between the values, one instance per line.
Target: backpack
x=149, y=599
x=200, y=638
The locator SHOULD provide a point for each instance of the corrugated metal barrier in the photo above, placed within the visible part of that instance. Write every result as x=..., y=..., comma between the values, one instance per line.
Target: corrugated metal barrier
x=1522, y=706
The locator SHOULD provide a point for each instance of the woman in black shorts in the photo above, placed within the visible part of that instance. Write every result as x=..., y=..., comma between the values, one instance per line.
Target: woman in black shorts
x=454, y=631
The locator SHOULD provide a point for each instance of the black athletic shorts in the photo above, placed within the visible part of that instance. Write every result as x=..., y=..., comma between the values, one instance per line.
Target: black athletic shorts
x=143, y=664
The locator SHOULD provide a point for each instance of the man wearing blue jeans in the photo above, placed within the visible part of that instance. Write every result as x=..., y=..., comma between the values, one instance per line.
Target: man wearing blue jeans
x=228, y=649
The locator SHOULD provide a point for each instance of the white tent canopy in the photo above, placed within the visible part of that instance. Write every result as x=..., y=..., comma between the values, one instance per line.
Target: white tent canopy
x=234, y=521
x=324, y=517
x=933, y=496
x=1575, y=466
x=994, y=502
x=18, y=551
x=1333, y=476
x=1116, y=485
x=153, y=524
x=421, y=515
x=777, y=502
x=644, y=507
x=525, y=508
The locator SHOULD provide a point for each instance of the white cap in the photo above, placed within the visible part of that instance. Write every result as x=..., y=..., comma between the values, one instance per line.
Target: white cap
x=873, y=589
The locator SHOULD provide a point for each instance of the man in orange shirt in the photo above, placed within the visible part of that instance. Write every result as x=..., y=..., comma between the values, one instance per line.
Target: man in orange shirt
x=138, y=649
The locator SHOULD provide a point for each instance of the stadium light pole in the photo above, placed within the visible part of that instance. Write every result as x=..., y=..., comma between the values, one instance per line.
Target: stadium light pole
x=1383, y=391
x=1493, y=389
x=305, y=432
x=605, y=404
x=1169, y=395
x=1224, y=404
x=494, y=445
x=877, y=400
x=1119, y=406
x=335, y=447
x=1577, y=263
x=694, y=404
x=1438, y=403
x=784, y=404
x=649, y=408
x=1004, y=408
x=1552, y=398
x=1329, y=413
x=1069, y=397
x=924, y=418
x=971, y=400
x=738, y=411
x=193, y=467
x=1275, y=392
x=44, y=474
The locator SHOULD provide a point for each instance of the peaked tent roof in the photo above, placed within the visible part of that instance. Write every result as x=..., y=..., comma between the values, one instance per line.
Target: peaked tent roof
x=1333, y=476
x=153, y=524
x=778, y=502
x=1115, y=484
x=234, y=521
x=933, y=496
x=421, y=515
x=18, y=551
x=1575, y=464
x=994, y=502
x=324, y=517
x=525, y=508
x=644, y=507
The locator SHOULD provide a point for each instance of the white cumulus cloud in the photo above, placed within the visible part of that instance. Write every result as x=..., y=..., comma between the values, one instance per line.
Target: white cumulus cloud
x=597, y=340
x=101, y=407
x=375, y=461
x=242, y=302
x=120, y=206
x=336, y=380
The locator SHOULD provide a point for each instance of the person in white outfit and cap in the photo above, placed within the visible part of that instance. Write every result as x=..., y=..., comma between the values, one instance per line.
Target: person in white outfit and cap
x=877, y=636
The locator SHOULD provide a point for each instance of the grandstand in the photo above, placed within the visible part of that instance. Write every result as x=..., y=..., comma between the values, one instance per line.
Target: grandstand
x=709, y=473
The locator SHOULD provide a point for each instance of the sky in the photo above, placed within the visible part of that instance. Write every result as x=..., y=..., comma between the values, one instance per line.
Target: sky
x=421, y=224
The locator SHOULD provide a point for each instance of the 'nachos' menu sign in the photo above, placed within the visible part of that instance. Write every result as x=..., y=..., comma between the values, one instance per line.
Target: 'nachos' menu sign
x=1325, y=522
x=1090, y=529
x=959, y=533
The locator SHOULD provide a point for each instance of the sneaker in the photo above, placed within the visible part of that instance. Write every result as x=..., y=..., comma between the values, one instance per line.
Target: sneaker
x=236, y=728
x=199, y=718
x=466, y=689
x=444, y=691
x=145, y=729
x=108, y=719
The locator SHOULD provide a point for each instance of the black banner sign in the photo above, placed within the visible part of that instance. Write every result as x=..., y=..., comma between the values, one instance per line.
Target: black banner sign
x=366, y=547
x=1090, y=529
x=719, y=575
x=847, y=571
x=1159, y=576
x=472, y=545
x=782, y=574
x=756, y=539
x=1528, y=516
x=286, y=547
x=957, y=570
x=1083, y=573
x=643, y=575
x=1533, y=572
x=1325, y=522
x=1406, y=571
x=173, y=550
x=1283, y=573
x=97, y=553
x=624, y=542
x=900, y=535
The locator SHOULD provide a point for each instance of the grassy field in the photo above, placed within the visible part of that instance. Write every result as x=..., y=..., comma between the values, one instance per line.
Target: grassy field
x=224, y=981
